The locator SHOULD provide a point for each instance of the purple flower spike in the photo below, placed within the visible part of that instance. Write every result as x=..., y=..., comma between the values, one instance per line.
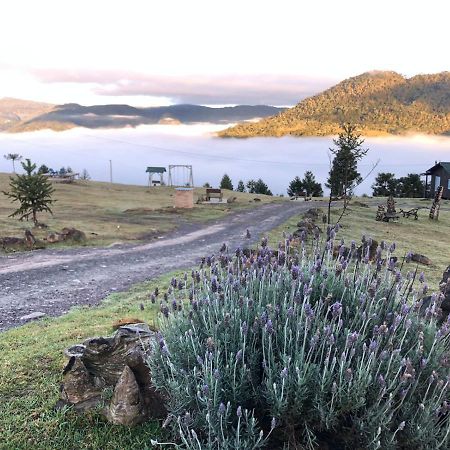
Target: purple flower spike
x=239, y=412
x=222, y=409
x=336, y=309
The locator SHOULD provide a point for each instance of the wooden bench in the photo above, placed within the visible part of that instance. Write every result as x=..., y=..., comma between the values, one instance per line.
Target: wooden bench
x=410, y=213
x=213, y=193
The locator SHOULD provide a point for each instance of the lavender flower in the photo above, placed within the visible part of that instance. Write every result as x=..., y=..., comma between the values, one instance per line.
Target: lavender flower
x=269, y=327
x=222, y=409
x=336, y=309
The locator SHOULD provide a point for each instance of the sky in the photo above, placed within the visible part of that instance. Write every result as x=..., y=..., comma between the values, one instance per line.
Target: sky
x=147, y=52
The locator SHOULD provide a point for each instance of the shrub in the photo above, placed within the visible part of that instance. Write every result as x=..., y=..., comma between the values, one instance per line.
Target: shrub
x=297, y=348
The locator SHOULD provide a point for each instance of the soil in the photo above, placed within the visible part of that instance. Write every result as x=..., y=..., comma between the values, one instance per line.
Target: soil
x=53, y=281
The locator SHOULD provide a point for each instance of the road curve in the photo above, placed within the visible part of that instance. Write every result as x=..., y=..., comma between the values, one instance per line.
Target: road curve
x=52, y=281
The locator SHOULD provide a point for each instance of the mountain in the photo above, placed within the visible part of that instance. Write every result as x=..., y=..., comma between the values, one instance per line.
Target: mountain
x=14, y=111
x=117, y=116
x=381, y=103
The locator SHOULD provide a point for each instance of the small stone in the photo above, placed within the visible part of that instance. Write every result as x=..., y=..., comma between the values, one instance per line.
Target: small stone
x=33, y=316
x=421, y=259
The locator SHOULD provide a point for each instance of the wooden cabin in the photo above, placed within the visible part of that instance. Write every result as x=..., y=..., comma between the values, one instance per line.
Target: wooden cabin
x=440, y=176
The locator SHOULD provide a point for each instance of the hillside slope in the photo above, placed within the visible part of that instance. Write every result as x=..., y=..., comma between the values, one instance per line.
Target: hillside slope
x=14, y=111
x=379, y=102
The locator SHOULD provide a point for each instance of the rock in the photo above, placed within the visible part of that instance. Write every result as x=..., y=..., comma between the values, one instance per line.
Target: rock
x=312, y=213
x=73, y=234
x=53, y=238
x=12, y=243
x=127, y=404
x=80, y=388
x=421, y=259
x=33, y=316
x=108, y=362
x=29, y=238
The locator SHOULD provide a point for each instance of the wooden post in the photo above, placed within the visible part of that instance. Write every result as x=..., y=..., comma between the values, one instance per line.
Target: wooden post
x=434, y=210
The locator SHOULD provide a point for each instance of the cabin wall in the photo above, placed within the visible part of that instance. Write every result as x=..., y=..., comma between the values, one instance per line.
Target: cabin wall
x=445, y=176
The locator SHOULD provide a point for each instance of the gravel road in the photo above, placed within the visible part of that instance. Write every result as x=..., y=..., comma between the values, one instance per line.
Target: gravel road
x=52, y=281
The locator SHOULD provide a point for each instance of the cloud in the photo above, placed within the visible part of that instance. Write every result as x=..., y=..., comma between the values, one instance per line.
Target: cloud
x=197, y=89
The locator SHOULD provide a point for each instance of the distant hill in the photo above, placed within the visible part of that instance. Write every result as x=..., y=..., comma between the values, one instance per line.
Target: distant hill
x=44, y=116
x=14, y=111
x=380, y=103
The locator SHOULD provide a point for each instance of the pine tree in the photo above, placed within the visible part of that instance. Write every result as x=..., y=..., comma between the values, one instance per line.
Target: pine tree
x=385, y=185
x=33, y=191
x=344, y=176
x=410, y=186
x=226, y=183
x=311, y=186
x=258, y=187
x=240, y=186
x=295, y=187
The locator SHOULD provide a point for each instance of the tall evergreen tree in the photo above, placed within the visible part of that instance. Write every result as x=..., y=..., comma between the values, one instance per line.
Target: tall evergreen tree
x=410, y=186
x=240, y=186
x=258, y=187
x=385, y=185
x=344, y=175
x=311, y=186
x=33, y=191
x=226, y=183
x=295, y=187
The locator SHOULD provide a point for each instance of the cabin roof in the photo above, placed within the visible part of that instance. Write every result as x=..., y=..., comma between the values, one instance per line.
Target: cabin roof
x=444, y=165
x=156, y=169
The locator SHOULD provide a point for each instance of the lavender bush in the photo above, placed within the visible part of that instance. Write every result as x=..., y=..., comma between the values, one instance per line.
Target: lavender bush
x=299, y=346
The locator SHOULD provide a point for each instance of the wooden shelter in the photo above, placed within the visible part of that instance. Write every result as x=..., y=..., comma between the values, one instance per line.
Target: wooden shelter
x=440, y=176
x=155, y=171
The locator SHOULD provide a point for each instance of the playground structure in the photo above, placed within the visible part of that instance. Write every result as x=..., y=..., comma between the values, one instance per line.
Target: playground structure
x=181, y=175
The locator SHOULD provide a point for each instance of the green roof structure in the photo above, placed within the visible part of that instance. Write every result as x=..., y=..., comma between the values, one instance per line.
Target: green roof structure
x=156, y=169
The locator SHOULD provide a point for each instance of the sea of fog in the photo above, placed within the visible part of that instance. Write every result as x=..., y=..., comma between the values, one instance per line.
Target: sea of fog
x=275, y=160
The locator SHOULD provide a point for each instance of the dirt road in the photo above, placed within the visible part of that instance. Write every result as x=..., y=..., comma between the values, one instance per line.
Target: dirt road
x=52, y=281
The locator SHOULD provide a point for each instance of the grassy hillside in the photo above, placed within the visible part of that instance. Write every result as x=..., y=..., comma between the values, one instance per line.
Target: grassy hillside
x=109, y=213
x=381, y=103
x=424, y=236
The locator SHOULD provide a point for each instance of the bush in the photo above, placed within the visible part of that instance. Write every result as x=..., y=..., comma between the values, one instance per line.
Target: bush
x=293, y=348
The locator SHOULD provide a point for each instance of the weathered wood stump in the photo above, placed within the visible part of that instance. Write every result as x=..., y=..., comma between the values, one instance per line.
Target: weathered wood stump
x=116, y=362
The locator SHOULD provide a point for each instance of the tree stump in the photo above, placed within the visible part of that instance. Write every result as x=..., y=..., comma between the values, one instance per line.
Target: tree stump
x=116, y=362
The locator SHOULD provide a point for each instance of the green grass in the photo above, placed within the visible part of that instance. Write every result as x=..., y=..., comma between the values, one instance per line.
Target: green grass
x=110, y=213
x=424, y=236
x=31, y=357
x=31, y=363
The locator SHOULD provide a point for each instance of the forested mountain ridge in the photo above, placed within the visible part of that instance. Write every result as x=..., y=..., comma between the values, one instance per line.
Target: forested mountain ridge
x=21, y=115
x=379, y=102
